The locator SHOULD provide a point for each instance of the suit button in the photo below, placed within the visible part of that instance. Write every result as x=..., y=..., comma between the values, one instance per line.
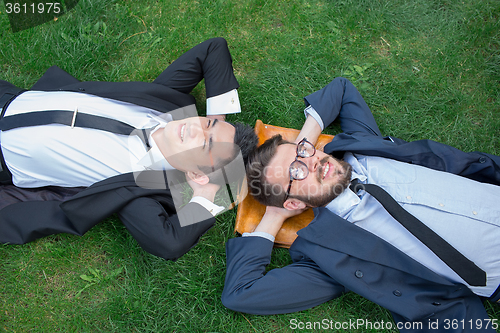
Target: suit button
x=397, y=293
x=436, y=303
x=81, y=89
x=359, y=274
x=482, y=159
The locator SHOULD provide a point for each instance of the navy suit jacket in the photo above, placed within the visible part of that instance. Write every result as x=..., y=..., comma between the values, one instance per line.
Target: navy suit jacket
x=148, y=214
x=332, y=256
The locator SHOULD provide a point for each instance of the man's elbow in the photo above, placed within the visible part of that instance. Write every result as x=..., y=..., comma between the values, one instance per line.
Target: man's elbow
x=167, y=250
x=233, y=301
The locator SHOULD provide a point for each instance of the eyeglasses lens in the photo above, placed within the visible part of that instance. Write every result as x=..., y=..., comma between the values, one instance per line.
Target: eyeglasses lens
x=298, y=170
x=305, y=149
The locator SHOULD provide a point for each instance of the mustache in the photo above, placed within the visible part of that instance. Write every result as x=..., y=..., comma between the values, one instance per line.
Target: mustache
x=321, y=168
x=322, y=162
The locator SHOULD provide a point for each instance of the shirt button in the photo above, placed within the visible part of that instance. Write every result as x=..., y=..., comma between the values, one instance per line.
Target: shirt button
x=408, y=197
x=442, y=205
x=232, y=100
x=359, y=274
x=482, y=159
x=474, y=212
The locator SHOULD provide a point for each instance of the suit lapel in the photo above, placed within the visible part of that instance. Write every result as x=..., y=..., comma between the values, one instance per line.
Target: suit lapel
x=109, y=196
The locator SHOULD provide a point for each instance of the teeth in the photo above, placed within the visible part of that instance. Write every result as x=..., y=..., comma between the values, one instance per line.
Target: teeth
x=182, y=132
x=327, y=167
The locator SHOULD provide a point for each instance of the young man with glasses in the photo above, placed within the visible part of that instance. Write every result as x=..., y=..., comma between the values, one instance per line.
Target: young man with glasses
x=395, y=253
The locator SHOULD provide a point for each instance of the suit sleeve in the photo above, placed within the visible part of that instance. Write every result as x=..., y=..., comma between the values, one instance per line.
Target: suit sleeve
x=161, y=234
x=295, y=287
x=209, y=60
x=340, y=99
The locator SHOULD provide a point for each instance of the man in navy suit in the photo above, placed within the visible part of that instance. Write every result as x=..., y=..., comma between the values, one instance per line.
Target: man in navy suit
x=354, y=243
x=77, y=152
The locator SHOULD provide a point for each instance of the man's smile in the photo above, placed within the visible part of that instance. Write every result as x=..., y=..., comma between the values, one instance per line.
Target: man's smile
x=326, y=168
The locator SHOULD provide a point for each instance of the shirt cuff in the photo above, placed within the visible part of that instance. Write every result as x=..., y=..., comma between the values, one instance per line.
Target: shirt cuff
x=310, y=111
x=259, y=234
x=225, y=103
x=208, y=205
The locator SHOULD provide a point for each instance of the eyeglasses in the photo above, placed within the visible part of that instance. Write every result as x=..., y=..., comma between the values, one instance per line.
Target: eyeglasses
x=298, y=169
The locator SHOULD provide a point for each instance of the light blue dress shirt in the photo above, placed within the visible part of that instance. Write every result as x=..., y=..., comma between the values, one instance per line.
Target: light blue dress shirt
x=464, y=212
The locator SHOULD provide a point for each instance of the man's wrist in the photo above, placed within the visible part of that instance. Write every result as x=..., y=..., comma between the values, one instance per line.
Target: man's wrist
x=205, y=193
x=208, y=205
x=226, y=103
x=259, y=234
x=271, y=223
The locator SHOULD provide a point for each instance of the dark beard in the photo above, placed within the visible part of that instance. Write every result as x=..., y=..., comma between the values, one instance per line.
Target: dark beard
x=323, y=199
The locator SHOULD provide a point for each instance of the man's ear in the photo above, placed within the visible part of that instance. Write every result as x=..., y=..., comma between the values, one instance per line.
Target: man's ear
x=294, y=204
x=198, y=177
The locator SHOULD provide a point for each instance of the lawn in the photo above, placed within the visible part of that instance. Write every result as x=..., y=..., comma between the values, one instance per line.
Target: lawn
x=428, y=69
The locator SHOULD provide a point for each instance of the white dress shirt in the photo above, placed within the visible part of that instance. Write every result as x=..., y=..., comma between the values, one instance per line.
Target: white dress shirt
x=59, y=155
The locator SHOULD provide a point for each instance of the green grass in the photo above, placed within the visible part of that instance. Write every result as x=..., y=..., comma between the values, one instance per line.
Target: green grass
x=429, y=69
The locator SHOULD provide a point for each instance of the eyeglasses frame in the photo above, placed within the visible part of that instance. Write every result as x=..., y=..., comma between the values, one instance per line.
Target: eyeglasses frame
x=292, y=178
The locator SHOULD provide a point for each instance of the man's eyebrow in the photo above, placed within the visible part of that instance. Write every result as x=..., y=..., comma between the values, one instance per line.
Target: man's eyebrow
x=210, y=143
x=210, y=140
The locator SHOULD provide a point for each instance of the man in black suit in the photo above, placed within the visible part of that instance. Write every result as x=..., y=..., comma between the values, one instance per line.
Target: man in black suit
x=77, y=152
x=431, y=274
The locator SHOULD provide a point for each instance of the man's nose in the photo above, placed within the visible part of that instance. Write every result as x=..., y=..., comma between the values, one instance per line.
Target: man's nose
x=196, y=129
x=312, y=163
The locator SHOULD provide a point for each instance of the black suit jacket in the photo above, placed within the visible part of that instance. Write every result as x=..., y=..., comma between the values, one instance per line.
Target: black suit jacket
x=332, y=256
x=149, y=214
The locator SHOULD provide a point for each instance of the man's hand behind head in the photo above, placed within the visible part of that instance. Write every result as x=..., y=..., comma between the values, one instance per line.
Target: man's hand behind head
x=201, y=186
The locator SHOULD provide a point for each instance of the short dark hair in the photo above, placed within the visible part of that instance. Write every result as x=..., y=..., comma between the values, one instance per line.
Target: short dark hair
x=245, y=138
x=263, y=191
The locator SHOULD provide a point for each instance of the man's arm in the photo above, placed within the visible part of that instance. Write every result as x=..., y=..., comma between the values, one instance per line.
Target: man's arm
x=273, y=219
x=168, y=231
x=310, y=130
x=339, y=99
x=210, y=60
x=161, y=234
x=295, y=287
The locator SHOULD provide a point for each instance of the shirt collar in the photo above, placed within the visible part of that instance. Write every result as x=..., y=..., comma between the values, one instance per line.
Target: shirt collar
x=348, y=198
x=154, y=159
